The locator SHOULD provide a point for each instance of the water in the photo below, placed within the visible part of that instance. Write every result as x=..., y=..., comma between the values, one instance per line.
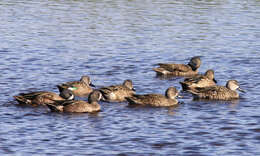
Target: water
x=44, y=43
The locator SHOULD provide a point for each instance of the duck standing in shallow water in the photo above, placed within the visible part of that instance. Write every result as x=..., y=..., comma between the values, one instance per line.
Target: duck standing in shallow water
x=156, y=100
x=227, y=92
x=39, y=98
x=118, y=93
x=179, y=69
x=77, y=106
x=199, y=81
x=80, y=88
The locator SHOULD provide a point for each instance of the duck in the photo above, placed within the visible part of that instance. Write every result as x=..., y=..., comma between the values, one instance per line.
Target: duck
x=155, y=100
x=118, y=93
x=39, y=98
x=183, y=70
x=81, y=88
x=77, y=106
x=199, y=81
x=227, y=92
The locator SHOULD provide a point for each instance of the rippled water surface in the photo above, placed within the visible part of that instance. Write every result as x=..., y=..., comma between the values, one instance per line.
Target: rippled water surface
x=46, y=42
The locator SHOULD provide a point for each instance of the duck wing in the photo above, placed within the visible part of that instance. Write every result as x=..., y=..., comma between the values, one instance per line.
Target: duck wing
x=72, y=84
x=147, y=99
x=175, y=67
x=213, y=92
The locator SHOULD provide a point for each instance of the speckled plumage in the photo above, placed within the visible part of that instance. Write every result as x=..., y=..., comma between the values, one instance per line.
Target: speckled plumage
x=38, y=98
x=118, y=93
x=80, y=88
x=156, y=100
x=227, y=92
x=179, y=69
x=78, y=106
x=199, y=81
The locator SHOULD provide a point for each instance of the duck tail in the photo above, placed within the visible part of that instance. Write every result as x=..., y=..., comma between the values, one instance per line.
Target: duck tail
x=55, y=108
x=132, y=100
x=193, y=91
x=185, y=86
x=22, y=100
x=129, y=100
x=160, y=71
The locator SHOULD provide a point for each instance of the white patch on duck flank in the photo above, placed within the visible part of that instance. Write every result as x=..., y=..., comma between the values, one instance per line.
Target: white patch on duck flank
x=100, y=96
x=71, y=97
x=112, y=95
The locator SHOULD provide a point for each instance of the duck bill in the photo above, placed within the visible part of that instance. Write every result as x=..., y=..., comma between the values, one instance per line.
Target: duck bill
x=92, y=85
x=241, y=90
x=179, y=96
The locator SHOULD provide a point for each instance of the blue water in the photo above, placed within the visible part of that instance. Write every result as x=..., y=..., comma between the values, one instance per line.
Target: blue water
x=44, y=43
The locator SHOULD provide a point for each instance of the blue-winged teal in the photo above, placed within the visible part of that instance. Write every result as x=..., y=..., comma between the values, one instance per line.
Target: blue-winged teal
x=179, y=69
x=117, y=93
x=77, y=106
x=227, y=92
x=156, y=100
x=80, y=88
x=200, y=81
x=39, y=98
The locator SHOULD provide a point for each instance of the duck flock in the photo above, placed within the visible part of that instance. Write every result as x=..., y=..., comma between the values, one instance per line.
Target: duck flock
x=200, y=86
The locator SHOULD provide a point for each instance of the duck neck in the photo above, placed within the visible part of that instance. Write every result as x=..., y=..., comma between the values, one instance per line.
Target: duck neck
x=92, y=102
x=192, y=67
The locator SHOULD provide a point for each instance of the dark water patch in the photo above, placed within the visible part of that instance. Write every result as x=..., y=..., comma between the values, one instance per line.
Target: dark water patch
x=7, y=150
x=227, y=128
x=165, y=144
x=257, y=138
x=218, y=144
x=193, y=149
x=122, y=154
x=201, y=133
x=255, y=116
x=30, y=115
x=4, y=51
x=242, y=134
x=257, y=130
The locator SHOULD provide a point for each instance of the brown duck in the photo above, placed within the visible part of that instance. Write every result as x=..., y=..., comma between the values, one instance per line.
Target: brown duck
x=179, y=69
x=156, y=100
x=118, y=93
x=39, y=98
x=80, y=88
x=77, y=106
x=227, y=92
x=199, y=81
